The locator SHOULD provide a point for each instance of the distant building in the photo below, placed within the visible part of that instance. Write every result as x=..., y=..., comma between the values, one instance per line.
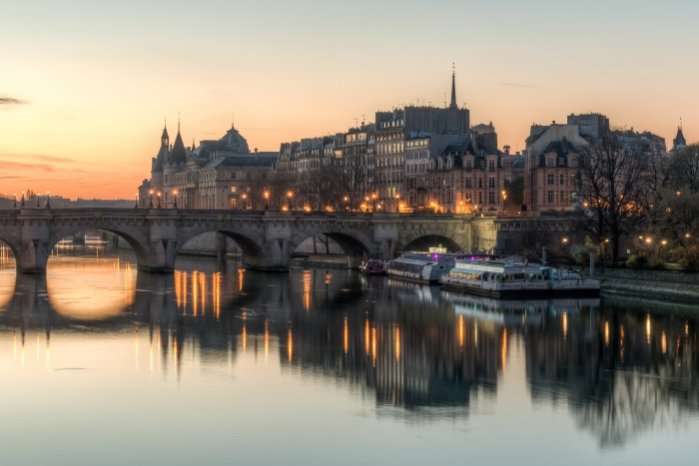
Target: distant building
x=553, y=158
x=395, y=128
x=551, y=168
x=219, y=174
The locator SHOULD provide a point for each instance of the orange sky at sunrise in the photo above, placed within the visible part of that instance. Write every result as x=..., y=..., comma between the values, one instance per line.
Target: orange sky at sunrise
x=82, y=103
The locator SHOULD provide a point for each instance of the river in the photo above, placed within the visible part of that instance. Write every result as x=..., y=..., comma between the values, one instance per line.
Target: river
x=103, y=365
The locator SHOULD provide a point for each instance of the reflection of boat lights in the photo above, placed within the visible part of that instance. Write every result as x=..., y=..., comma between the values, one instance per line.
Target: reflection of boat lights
x=290, y=346
x=202, y=284
x=245, y=335
x=367, y=337
x=504, y=348
x=374, y=345
x=663, y=343
x=195, y=293
x=396, y=344
x=307, y=289
x=266, y=339
x=564, y=323
x=606, y=333
x=345, y=336
x=241, y=278
x=462, y=331
x=216, y=292
x=649, y=329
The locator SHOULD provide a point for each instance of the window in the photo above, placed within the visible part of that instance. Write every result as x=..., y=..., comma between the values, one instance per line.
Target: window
x=563, y=180
x=469, y=183
x=491, y=197
x=491, y=165
x=551, y=179
x=562, y=197
x=491, y=182
x=551, y=197
x=480, y=183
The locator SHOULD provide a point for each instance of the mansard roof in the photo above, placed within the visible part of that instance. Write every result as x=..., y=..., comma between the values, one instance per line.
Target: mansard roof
x=264, y=159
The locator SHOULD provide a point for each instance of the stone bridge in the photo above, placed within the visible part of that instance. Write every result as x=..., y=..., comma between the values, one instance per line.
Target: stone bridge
x=266, y=239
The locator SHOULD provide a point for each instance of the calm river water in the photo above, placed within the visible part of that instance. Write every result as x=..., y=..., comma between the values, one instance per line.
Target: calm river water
x=104, y=366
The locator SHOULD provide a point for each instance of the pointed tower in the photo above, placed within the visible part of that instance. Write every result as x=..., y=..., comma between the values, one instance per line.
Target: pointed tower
x=452, y=104
x=679, y=142
x=162, y=156
x=165, y=138
x=179, y=153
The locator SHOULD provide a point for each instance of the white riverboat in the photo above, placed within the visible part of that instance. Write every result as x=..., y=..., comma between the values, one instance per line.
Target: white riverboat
x=421, y=267
x=515, y=278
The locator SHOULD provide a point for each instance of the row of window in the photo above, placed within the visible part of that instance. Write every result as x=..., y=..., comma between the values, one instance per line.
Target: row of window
x=551, y=179
x=560, y=197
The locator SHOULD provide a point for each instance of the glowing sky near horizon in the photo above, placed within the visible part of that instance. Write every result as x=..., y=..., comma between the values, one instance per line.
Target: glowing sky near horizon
x=93, y=80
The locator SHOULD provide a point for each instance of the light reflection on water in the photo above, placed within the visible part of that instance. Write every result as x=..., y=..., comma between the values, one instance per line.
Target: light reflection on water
x=213, y=366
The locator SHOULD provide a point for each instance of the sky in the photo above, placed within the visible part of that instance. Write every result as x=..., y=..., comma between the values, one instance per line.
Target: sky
x=85, y=86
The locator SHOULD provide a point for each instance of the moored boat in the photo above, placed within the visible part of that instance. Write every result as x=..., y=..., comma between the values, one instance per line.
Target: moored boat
x=421, y=267
x=516, y=278
x=373, y=267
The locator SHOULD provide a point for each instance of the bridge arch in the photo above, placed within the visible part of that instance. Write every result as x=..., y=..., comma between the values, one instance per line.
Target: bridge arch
x=423, y=242
x=252, y=246
x=135, y=240
x=12, y=247
x=352, y=243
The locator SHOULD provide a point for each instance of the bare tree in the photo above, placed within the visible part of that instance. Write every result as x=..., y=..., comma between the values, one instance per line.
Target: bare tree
x=683, y=170
x=616, y=185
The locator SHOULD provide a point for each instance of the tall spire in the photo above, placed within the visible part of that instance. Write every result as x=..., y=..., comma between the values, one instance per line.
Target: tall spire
x=453, y=86
x=165, y=137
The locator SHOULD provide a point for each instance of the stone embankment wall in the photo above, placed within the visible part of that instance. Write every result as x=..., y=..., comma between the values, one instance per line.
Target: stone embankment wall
x=651, y=284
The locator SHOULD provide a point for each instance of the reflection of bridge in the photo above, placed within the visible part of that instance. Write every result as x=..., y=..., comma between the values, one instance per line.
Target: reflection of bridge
x=267, y=239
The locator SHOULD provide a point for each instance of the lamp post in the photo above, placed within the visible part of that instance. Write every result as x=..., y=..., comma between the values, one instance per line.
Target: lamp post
x=265, y=195
x=290, y=197
x=174, y=195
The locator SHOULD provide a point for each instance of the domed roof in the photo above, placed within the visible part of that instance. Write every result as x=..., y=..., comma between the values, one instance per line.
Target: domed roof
x=234, y=142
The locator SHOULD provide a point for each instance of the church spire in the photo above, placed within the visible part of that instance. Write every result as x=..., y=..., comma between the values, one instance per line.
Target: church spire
x=679, y=142
x=165, y=137
x=453, y=86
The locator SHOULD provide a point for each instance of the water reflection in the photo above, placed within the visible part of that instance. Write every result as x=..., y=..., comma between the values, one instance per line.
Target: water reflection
x=415, y=352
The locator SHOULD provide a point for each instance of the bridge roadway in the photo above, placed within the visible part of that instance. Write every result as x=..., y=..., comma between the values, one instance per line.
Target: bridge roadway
x=266, y=239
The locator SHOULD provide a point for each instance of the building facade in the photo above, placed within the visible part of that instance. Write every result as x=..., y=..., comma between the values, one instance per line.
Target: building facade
x=218, y=174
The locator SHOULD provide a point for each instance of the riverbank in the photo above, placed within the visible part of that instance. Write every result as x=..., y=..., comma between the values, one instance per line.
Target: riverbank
x=657, y=285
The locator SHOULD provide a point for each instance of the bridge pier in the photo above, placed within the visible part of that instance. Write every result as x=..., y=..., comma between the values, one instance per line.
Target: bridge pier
x=159, y=257
x=274, y=257
x=33, y=256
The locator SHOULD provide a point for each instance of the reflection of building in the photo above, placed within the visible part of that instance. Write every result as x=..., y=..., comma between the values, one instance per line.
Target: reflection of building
x=218, y=174
x=623, y=373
